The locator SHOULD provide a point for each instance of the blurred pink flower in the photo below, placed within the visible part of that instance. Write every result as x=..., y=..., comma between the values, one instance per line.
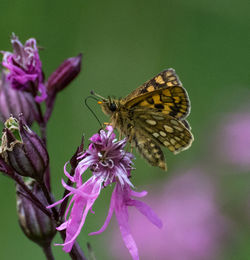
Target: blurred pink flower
x=234, y=140
x=192, y=224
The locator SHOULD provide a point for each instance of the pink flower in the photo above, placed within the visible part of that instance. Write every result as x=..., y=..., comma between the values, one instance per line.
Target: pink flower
x=120, y=200
x=25, y=68
x=234, y=140
x=109, y=164
x=193, y=226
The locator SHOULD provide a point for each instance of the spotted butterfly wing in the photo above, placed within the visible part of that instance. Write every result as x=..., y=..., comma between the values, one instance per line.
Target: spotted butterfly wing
x=166, y=78
x=163, y=93
x=148, y=148
x=154, y=129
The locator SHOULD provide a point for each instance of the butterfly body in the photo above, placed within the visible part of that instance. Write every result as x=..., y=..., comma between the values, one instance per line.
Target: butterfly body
x=152, y=116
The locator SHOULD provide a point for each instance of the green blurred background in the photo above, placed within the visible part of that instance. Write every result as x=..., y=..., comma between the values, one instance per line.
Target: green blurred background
x=125, y=43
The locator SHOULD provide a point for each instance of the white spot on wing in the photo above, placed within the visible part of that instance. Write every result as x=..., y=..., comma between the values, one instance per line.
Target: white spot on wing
x=155, y=135
x=151, y=122
x=169, y=129
x=163, y=134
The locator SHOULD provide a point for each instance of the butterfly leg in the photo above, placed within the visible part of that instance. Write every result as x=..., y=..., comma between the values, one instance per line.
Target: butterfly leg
x=131, y=137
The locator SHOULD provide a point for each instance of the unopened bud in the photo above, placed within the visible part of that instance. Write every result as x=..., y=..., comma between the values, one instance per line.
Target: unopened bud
x=13, y=102
x=64, y=74
x=23, y=149
x=36, y=225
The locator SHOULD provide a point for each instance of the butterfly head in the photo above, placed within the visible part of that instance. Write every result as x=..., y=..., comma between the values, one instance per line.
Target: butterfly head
x=108, y=105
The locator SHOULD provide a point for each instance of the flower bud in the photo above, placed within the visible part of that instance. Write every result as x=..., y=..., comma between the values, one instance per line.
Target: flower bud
x=23, y=150
x=64, y=74
x=13, y=102
x=36, y=225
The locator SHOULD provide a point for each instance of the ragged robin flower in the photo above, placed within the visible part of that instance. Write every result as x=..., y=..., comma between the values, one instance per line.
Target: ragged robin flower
x=25, y=68
x=109, y=164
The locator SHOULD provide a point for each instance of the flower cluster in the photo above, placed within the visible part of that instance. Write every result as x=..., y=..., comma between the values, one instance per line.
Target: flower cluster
x=22, y=83
x=25, y=67
x=23, y=153
x=109, y=163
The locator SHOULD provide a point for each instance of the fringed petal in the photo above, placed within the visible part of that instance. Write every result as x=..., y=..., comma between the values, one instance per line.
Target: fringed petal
x=43, y=92
x=122, y=218
x=78, y=219
x=108, y=218
x=147, y=212
x=79, y=191
x=138, y=194
x=66, y=172
x=59, y=201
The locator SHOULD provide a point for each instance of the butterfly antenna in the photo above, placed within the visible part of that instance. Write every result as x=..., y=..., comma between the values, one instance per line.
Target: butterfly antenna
x=85, y=101
x=94, y=94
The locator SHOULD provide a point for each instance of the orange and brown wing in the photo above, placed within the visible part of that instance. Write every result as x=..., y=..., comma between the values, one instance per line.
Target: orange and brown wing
x=151, y=130
x=163, y=129
x=172, y=101
x=163, y=93
x=167, y=78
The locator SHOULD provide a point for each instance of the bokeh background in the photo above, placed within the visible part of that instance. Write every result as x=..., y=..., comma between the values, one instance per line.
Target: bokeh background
x=203, y=199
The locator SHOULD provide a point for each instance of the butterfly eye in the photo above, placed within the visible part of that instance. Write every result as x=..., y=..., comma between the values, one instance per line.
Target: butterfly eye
x=112, y=107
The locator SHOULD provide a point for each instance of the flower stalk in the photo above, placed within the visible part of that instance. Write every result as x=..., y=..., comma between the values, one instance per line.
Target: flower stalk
x=23, y=153
x=48, y=253
x=9, y=172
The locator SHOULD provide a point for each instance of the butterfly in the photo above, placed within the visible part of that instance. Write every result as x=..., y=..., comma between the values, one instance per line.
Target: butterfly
x=152, y=116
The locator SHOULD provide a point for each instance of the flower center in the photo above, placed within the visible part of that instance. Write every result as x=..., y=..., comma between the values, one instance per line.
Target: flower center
x=104, y=160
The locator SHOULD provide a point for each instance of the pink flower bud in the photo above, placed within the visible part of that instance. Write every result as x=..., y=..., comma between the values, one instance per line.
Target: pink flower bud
x=64, y=74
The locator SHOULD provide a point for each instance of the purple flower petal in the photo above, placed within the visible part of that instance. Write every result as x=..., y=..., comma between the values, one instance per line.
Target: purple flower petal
x=122, y=218
x=58, y=202
x=138, y=194
x=79, y=212
x=109, y=163
x=147, y=212
x=109, y=216
x=67, y=174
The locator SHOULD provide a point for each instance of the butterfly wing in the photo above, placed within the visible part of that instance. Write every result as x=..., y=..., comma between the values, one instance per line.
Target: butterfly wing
x=164, y=93
x=171, y=101
x=163, y=129
x=167, y=78
x=148, y=148
x=152, y=130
